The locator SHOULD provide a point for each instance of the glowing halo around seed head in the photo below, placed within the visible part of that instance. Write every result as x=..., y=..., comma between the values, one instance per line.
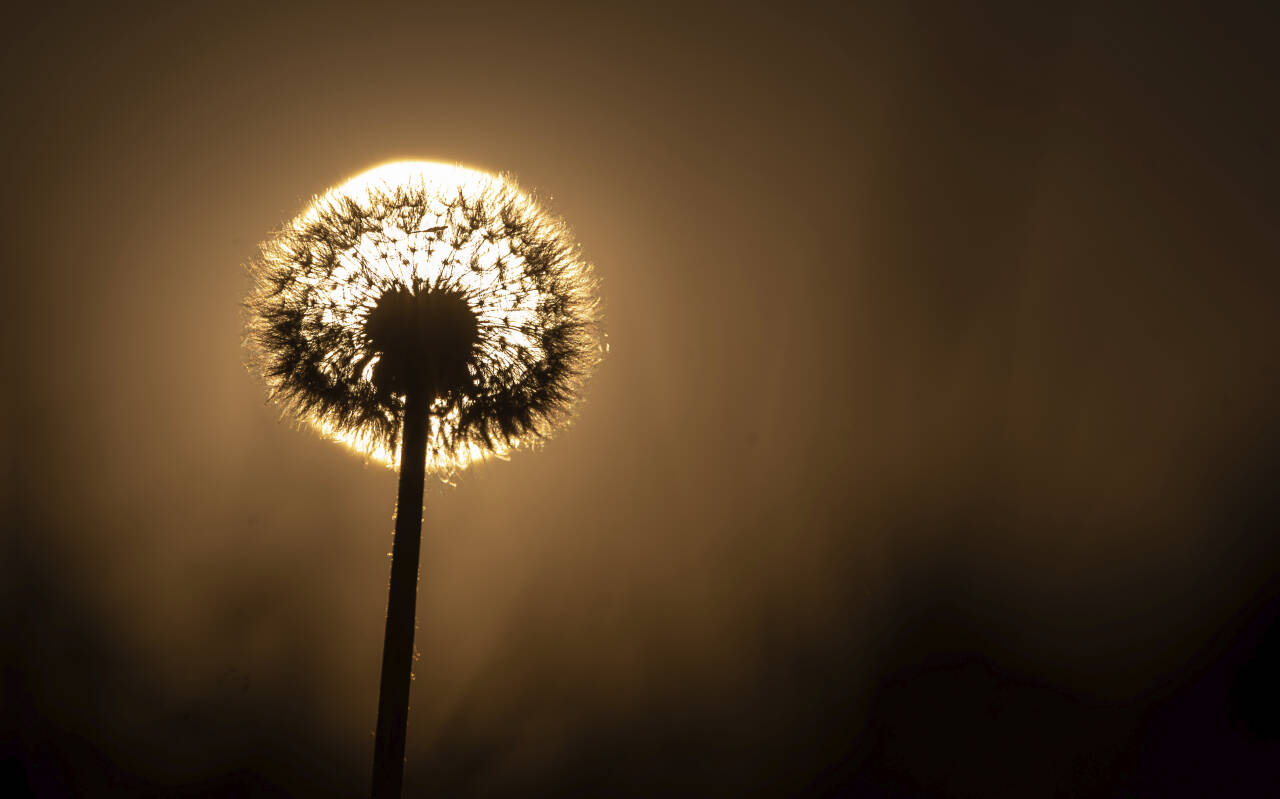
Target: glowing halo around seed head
x=406, y=231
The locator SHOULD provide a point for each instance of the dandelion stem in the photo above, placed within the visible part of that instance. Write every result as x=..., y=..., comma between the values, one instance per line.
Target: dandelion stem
x=397, y=647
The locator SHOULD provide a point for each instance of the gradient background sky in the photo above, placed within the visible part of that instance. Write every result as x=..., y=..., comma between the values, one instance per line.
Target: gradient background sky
x=934, y=455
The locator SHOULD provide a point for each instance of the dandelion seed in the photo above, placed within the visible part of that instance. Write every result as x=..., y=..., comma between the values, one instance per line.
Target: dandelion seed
x=377, y=287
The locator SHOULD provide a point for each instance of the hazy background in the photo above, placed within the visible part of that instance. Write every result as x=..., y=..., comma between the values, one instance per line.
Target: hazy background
x=934, y=454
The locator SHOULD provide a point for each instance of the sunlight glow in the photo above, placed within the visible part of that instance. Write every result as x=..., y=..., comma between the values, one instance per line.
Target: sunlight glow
x=503, y=297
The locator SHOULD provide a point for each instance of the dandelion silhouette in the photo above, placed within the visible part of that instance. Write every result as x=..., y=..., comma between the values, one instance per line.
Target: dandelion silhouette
x=428, y=316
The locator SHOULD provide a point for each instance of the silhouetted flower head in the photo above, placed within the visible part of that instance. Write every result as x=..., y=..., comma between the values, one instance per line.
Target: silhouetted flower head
x=423, y=277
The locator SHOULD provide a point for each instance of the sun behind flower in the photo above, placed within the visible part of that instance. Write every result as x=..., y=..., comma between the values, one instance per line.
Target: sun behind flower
x=420, y=276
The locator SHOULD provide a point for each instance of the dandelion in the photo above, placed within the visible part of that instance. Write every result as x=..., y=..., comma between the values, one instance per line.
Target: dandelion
x=428, y=316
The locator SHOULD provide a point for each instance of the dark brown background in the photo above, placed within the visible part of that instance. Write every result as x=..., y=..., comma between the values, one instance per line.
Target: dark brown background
x=934, y=454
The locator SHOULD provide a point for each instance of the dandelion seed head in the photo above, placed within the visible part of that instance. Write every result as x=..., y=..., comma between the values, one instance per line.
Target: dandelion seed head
x=421, y=276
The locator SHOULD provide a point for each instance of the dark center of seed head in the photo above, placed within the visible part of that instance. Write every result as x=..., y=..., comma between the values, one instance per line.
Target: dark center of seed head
x=425, y=338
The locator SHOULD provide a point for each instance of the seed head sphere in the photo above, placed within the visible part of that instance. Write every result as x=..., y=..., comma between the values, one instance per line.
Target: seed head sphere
x=425, y=277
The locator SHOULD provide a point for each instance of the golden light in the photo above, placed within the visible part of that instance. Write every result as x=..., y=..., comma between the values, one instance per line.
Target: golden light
x=433, y=224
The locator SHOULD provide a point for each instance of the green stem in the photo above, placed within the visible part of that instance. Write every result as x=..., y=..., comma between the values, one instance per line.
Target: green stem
x=397, y=647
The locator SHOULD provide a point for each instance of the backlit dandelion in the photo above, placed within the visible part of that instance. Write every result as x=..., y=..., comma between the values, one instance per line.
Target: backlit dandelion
x=424, y=273
x=429, y=316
